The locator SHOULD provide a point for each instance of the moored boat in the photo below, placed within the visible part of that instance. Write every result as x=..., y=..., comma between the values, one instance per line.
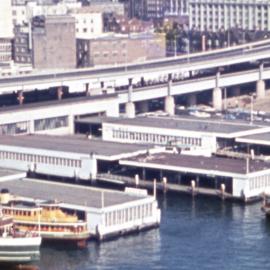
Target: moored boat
x=48, y=218
x=17, y=247
x=266, y=204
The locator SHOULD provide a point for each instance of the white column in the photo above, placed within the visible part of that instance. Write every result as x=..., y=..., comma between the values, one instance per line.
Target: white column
x=217, y=98
x=260, y=85
x=169, y=105
x=130, y=106
x=130, y=110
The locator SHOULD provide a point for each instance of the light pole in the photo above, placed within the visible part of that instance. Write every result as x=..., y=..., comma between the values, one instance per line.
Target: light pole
x=251, y=107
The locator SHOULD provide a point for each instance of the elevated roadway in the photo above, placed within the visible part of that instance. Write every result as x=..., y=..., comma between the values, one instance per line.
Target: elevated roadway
x=193, y=85
x=81, y=79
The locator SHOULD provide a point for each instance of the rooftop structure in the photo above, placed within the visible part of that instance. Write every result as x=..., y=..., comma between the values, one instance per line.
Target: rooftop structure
x=242, y=179
x=66, y=156
x=106, y=212
x=205, y=136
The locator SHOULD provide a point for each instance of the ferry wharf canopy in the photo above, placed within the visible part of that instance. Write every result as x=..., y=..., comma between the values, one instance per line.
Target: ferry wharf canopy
x=240, y=179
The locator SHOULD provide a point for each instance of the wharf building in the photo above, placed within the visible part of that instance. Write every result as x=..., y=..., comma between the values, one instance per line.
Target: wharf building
x=240, y=179
x=74, y=157
x=107, y=213
x=201, y=136
x=215, y=15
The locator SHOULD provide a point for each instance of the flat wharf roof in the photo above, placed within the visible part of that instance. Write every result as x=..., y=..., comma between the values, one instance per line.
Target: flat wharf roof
x=66, y=193
x=11, y=174
x=74, y=144
x=186, y=123
x=197, y=164
x=262, y=139
x=54, y=103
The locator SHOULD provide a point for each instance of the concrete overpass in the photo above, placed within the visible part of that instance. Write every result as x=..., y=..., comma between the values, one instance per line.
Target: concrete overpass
x=87, y=79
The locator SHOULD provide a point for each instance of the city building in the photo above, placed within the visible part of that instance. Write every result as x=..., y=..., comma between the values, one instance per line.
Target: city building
x=6, y=31
x=22, y=51
x=107, y=7
x=203, y=137
x=120, y=49
x=54, y=43
x=124, y=25
x=89, y=24
x=213, y=15
x=156, y=9
x=23, y=11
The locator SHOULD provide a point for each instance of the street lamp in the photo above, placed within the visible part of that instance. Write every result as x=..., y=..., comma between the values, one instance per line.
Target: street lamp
x=252, y=96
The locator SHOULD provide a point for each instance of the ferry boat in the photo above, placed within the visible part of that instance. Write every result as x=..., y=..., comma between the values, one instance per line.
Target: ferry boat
x=16, y=247
x=48, y=218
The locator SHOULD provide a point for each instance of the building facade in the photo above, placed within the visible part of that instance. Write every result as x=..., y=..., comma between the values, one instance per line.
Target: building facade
x=54, y=44
x=6, y=31
x=121, y=49
x=88, y=24
x=156, y=9
x=214, y=15
x=22, y=52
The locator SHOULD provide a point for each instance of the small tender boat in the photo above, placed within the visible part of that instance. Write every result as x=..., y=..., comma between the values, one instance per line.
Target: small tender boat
x=17, y=247
x=48, y=218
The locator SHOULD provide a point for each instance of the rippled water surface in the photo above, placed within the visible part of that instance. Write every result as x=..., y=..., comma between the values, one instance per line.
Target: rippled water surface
x=199, y=233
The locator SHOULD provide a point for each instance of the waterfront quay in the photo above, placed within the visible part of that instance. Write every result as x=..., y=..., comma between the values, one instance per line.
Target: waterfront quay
x=107, y=213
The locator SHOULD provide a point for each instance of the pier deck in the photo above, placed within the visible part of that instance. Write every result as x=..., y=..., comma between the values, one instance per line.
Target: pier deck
x=124, y=180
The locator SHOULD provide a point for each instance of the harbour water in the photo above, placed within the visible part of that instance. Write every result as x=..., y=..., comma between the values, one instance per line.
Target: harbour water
x=195, y=233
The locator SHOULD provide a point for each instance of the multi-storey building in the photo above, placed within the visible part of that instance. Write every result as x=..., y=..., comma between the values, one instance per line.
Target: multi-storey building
x=6, y=31
x=54, y=42
x=89, y=24
x=22, y=52
x=213, y=15
x=120, y=49
x=156, y=9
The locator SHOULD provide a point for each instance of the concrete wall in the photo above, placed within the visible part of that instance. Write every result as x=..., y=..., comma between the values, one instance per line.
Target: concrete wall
x=48, y=162
x=208, y=143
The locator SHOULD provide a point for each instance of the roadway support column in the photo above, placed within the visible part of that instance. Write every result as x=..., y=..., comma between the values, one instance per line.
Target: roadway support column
x=217, y=95
x=71, y=124
x=169, y=100
x=130, y=106
x=191, y=100
x=260, y=85
x=59, y=92
x=20, y=97
x=217, y=98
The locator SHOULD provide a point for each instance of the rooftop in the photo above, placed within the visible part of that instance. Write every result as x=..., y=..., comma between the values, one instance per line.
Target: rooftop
x=74, y=144
x=262, y=139
x=224, y=127
x=66, y=193
x=196, y=164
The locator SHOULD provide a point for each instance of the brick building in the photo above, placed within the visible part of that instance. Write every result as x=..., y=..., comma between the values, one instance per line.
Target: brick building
x=54, y=42
x=120, y=49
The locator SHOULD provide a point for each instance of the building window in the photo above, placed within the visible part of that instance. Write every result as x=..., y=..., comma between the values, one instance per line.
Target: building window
x=51, y=123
